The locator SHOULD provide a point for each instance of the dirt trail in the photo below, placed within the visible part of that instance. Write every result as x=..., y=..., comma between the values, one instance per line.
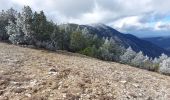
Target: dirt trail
x=28, y=74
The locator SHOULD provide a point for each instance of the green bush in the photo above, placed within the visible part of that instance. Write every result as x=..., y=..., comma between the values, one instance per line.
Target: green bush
x=89, y=51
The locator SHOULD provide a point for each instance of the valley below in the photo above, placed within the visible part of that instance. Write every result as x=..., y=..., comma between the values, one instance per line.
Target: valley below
x=30, y=74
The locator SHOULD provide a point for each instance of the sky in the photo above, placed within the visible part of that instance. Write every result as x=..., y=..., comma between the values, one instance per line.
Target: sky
x=143, y=18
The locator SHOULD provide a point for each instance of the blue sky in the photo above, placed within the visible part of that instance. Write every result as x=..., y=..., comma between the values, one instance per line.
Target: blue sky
x=166, y=19
x=139, y=17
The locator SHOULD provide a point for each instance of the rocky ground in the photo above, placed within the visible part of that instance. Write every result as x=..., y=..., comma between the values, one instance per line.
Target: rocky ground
x=29, y=74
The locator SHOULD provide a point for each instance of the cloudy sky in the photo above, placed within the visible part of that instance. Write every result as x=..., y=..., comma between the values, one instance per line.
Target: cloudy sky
x=139, y=17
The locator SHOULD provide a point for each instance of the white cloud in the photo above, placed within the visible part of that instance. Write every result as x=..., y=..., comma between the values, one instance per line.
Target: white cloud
x=162, y=26
x=130, y=21
x=125, y=15
x=96, y=15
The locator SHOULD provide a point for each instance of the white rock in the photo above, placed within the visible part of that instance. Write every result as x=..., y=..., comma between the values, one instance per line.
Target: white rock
x=135, y=85
x=123, y=81
x=28, y=95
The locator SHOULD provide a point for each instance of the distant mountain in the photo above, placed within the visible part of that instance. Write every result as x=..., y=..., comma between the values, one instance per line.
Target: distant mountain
x=163, y=42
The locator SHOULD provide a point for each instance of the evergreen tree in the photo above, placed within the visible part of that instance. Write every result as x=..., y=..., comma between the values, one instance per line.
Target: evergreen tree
x=97, y=41
x=104, y=51
x=11, y=14
x=60, y=39
x=115, y=50
x=3, y=23
x=77, y=41
x=148, y=64
x=110, y=50
x=5, y=16
x=14, y=35
x=11, y=28
x=41, y=27
x=162, y=57
x=128, y=55
x=26, y=17
x=90, y=51
x=165, y=66
x=138, y=60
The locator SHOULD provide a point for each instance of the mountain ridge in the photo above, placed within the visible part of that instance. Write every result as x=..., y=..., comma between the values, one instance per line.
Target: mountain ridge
x=163, y=42
x=126, y=40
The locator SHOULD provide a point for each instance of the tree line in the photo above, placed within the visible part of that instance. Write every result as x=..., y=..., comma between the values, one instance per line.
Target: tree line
x=33, y=28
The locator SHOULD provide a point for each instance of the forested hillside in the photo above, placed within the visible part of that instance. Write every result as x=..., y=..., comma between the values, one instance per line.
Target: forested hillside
x=31, y=28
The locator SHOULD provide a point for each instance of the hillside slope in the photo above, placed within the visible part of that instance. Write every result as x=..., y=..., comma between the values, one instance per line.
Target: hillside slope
x=30, y=74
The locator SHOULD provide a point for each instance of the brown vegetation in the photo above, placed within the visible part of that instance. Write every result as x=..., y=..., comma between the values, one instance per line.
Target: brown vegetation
x=28, y=74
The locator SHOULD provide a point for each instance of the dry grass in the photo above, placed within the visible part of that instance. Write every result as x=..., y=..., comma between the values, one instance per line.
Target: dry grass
x=28, y=74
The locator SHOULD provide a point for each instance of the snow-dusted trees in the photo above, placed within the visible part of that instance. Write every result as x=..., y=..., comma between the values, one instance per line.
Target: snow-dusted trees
x=11, y=31
x=104, y=50
x=20, y=31
x=60, y=39
x=163, y=63
x=55, y=40
x=4, y=17
x=138, y=59
x=162, y=58
x=157, y=61
x=128, y=55
x=11, y=28
x=148, y=64
x=26, y=17
x=110, y=50
x=11, y=14
x=31, y=27
x=165, y=66
x=26, y=20
x=142, y=61
x=16, y=36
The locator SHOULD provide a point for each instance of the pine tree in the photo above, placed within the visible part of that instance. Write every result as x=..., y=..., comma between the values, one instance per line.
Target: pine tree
x=20, y=31
x=14, y=35
x=148, y=64
x=5, y=16
x=162, y=57
x=115, y=49
x=57, y=38
x=26, y=21
x=11, y=28
x=139, y=60
x=60, y=39
x=41, y=27
x=77, y=41
x=128, y=55
x=165, y=66
x=103, y=52
x=11, y=14
x=97, y=41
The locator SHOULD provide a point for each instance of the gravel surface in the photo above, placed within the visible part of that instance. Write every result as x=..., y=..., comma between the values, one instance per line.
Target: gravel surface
x=29, y=74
